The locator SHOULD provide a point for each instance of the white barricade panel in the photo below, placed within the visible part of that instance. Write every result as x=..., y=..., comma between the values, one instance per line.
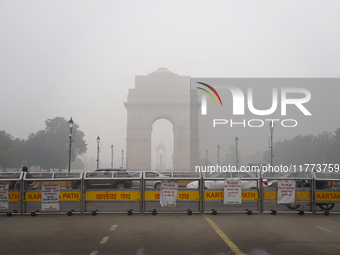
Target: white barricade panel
x=52, y=193
x=327, y=192
x=10, y=192
x=182, y=189
x=287, y=192
x=231, y=192
x=112, y=191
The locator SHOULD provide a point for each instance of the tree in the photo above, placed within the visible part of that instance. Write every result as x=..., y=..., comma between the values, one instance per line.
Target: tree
x=333, y=152
x=256, y=158
x=8, y=151
x=323, y=148
x=49, y=148
x=205, y=161
x=20, y=153
x=78, y=164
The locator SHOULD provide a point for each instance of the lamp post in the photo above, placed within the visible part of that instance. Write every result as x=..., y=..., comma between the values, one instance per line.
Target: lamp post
x=236, y=151
x=70, y=125
x=122, y=159
x=206, y=159
x=271, y=127
x=112, y=155
x=218, y=155
x=98, y=141
x=85, y=164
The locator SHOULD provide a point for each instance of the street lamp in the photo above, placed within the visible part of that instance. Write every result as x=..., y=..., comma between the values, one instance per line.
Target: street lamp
x=236, y=151
x=85, y=164
x=218, y=155
x=98, y=141
x=271, y=127
x=122, y=159
x=70, y=125
x=112, y=156
x=206, y=159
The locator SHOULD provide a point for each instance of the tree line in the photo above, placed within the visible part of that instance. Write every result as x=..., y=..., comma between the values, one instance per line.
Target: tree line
x=47, y=148
x=323, y=148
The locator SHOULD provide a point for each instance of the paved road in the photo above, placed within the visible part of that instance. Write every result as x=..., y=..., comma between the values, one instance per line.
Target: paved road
x=170, y=234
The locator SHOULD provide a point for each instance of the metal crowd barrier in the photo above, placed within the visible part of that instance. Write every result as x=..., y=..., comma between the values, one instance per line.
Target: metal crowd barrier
x=188, y=199
x=303, y=193
x=33, y=197
x=11, y=202
x=327, y=192
x=213, y=186
x=106, y=191
x=112, y=192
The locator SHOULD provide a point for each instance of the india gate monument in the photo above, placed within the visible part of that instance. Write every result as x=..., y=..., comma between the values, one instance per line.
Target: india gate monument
x=161, y=94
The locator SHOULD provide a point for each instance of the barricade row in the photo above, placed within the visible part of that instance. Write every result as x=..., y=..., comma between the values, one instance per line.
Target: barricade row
x=168, y=192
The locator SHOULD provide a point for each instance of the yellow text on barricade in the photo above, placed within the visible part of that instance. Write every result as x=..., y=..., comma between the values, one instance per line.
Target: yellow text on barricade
x=219, y=195
x=113, y=195
x=64, y=196
x=192, y=195
x=328, y=196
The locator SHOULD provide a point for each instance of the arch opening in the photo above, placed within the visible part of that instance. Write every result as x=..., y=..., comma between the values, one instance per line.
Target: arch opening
x=162, y=145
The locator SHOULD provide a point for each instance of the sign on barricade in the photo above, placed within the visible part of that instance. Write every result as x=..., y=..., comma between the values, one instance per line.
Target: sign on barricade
x=286, y=192
x=169, y=193
x=4, y=187
x=232, y=191
x=50, y=196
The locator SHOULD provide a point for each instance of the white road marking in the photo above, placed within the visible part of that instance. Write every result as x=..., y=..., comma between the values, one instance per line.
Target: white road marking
x=113, y=228
x=324, y=229
x=104, y=240
x=94, y=253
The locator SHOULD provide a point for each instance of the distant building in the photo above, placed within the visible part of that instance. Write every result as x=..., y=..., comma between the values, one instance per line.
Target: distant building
x=160, y=152
x=161, y=95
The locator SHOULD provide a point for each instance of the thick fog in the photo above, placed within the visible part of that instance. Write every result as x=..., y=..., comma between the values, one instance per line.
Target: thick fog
x=79, y=58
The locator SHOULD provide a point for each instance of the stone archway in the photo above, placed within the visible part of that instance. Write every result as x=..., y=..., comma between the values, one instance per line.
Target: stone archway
x=158, y=95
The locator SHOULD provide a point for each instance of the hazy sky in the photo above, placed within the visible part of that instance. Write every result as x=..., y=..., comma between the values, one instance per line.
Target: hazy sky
x=79, y=58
